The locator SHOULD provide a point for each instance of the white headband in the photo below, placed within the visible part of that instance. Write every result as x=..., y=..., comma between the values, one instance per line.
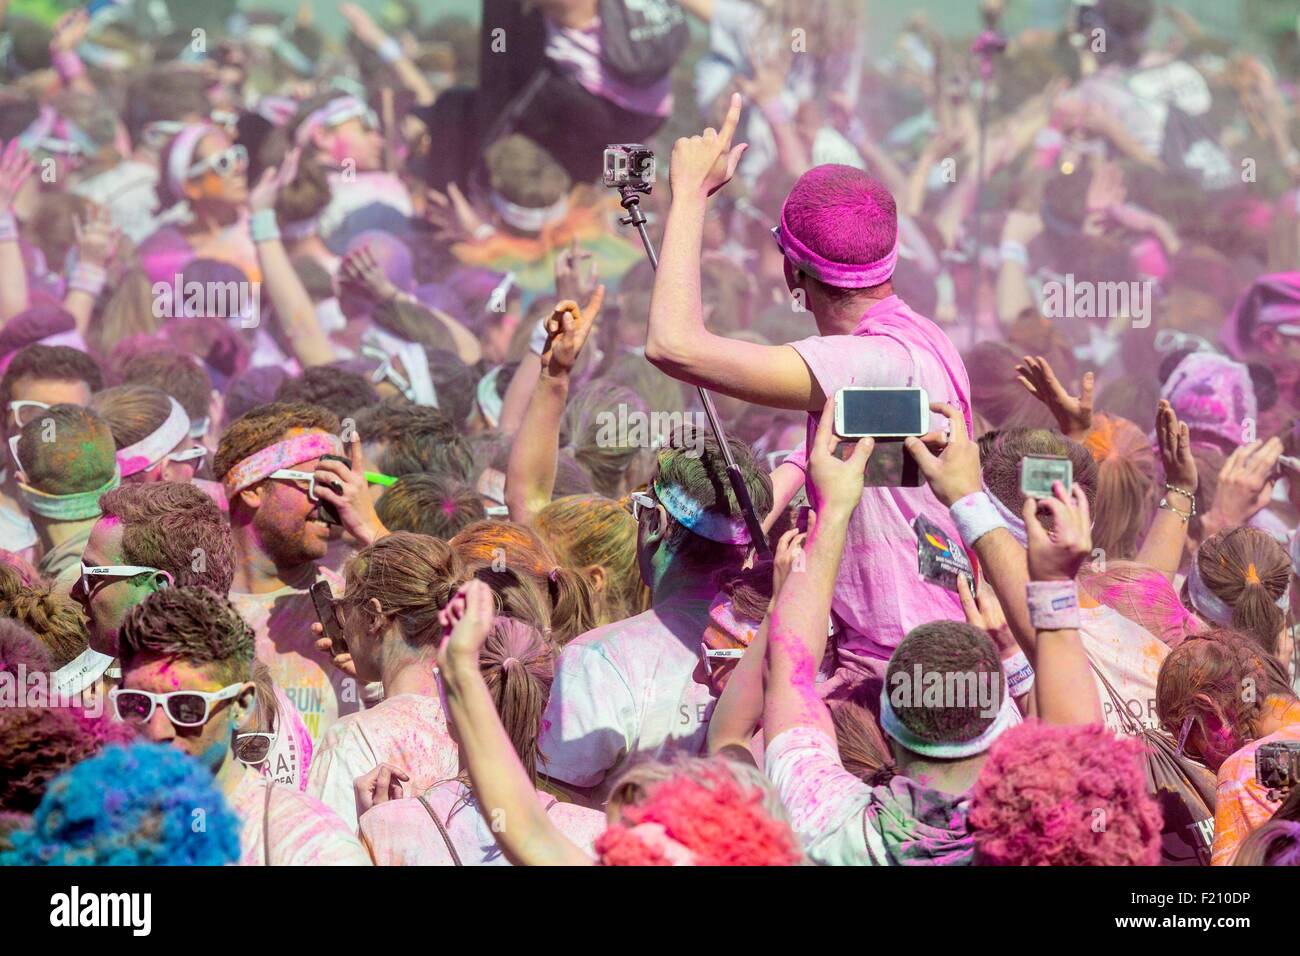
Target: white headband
x=152, y=448
x=181, y=156
x=1008, y=716
x=337, y=111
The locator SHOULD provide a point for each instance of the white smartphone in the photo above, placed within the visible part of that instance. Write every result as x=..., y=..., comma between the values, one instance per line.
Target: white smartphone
x=881, y=412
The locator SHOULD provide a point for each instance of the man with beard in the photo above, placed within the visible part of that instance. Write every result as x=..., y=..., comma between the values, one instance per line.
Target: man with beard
x=269, y=461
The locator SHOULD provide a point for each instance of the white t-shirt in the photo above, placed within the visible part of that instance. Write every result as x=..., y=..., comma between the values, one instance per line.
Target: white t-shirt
x=302, y=830
x=401, y=832
x=1130, y=657
x=408, y=731
x=285, y=643
x=627, y=688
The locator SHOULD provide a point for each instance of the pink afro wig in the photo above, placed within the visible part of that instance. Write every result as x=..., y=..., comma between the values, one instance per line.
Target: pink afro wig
x=1064, y=796
x=720, y=822
x=842, y=214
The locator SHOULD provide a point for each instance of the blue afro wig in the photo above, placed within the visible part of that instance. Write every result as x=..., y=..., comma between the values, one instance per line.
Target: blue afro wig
x=139, y=805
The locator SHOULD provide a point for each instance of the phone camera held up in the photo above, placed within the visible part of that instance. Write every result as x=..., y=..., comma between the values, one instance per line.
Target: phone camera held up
x=631, y=166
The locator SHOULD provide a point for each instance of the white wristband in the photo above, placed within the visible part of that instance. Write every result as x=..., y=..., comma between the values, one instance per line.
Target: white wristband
x=8, y=227
x=264, y=226
x=1020, y=674
x=87, y=278
x=1053, y=605
x=390, y=51
x=1012, y=251
x=975, y=516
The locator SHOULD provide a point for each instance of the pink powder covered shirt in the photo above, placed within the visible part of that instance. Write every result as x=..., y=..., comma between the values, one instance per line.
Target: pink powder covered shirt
x=879, y=594
x=627, y=688
x=302, y=831
x=408, y=731
x=401, y=832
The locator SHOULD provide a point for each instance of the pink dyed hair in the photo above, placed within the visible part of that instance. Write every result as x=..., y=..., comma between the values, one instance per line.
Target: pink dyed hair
x=842, y=214
x=703, y=806
x=1037, y=797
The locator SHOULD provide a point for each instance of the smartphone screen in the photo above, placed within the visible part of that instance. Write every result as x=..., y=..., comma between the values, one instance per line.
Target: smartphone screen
x=881, y=411
x=322, y=598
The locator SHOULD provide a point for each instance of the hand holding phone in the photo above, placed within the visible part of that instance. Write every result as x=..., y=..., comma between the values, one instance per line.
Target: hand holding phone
x=881, y=413
x=1039, y=472
x=322, y=598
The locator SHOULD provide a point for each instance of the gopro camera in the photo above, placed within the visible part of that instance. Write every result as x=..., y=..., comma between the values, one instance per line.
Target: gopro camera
x=1277, y=765
x=629, y=165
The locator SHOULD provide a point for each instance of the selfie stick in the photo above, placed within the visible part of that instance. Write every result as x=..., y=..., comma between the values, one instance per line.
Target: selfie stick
x=635, y=217
x=987, y=45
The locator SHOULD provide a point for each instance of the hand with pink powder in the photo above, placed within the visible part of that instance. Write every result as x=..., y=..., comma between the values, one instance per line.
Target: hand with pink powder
x=466, y=622
x=838, y=484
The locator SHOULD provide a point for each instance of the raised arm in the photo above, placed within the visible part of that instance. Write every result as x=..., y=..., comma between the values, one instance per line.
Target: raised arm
x=740, y=708
x=954, y=477
x=796, y=639
x=293, y=306
x=1064, y=691
x=505, y=795
x=389, y=50
x=530, y=474
x=15, y=167
x=1166, y=540
x=97, y=240
x=677, y=341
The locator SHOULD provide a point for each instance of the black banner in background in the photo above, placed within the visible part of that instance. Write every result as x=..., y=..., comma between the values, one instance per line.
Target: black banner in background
x=222, y=906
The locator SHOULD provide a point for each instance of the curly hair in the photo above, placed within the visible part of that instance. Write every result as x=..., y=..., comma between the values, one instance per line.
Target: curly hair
x=340, y=391
x=724, y=813
x=264, y=426
x=21, y=651
x=1064, y=796
x=130, y=806
x=171, y=525
x=952, y=649
x=193, y=625
x=39, y=743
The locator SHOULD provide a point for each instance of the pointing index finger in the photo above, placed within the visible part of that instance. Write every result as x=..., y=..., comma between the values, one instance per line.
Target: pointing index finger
x=730, y=123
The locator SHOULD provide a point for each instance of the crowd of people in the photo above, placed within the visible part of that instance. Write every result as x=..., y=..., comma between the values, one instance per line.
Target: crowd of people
x=361, y=492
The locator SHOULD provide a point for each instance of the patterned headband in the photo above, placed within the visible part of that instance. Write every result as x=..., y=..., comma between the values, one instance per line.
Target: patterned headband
x=692, y=516
x=283, y=454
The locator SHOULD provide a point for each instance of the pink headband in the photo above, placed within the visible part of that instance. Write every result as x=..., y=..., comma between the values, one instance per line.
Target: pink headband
x=841, y=275
x=283, y=454
x=134, y=459
x=182, y=154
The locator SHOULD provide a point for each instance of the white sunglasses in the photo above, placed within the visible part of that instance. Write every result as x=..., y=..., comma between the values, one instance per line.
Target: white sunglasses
x=293, y=476
x=106, y=572
x=225, y=163
x=641, y=503
x=184, y=708
x=189, y=454
x=19, y=408
x=719, y=655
